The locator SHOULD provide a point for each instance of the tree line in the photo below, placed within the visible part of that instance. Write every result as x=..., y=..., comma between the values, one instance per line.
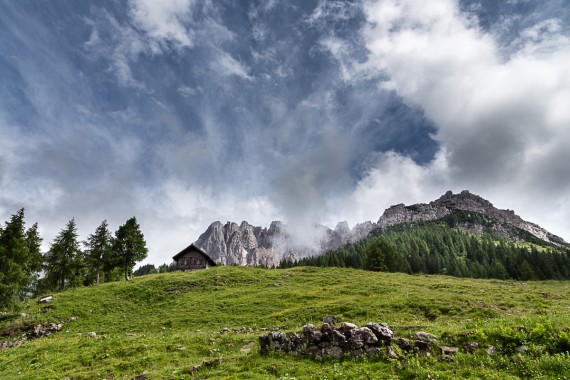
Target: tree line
x=103, y=257
x=439, y=249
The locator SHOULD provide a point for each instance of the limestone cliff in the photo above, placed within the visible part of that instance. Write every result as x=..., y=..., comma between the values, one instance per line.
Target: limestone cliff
x=465, y=201
x=244, y=244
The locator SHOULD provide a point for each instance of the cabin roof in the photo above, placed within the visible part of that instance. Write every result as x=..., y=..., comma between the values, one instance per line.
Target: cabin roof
x=191, y=248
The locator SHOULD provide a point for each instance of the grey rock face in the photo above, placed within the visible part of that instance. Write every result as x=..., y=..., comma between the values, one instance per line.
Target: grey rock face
x=465, y=201
x=244, y=244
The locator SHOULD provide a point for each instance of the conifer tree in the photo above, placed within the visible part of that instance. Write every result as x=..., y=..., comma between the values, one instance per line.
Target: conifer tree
x=98, y=252
x=35, y=258
x=129, y=246
x=64, y=263
x=19, y=259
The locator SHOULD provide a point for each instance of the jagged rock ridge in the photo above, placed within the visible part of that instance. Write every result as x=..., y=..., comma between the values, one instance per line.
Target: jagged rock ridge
x=244, y=244
x=465, y=201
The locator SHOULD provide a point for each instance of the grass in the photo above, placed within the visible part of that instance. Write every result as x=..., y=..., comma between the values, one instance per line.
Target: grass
x=166, y=324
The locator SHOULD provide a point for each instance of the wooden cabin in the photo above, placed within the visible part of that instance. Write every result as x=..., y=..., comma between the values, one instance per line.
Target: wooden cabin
x=193, y=258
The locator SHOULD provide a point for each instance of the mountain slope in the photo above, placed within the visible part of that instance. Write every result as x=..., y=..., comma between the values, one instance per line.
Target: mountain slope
x=244, y=244
x=461, y=243
x=449, y=202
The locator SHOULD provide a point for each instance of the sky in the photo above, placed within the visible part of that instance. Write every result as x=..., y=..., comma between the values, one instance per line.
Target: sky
x=184, y=112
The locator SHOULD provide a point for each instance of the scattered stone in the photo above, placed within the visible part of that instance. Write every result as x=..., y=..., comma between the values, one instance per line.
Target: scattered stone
x=92, y=334
x=391, y=353
x=309, y=329
x=225, y=330
x=470, y=347
x=247, y=348
x=424, y=341
x=180, y=348
x=521, y=349
x=330, y=320
x=45, y=299
x=142, y=376
x=73, y=319
x=491, y=350
x=448, y=350
x=346, y=327
x=446, y=358
x=421, y=336
x=360, y=337
x=214, y=351
x=382, y=331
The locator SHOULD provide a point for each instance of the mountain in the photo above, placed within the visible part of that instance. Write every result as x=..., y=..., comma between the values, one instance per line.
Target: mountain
x=501, y=222
x=244, y=244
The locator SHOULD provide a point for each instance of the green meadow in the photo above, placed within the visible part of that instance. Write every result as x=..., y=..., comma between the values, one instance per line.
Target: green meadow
x=165, y=325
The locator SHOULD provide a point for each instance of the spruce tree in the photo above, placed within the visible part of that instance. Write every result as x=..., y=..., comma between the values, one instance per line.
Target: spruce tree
x=98, y=252
x=64, y=265
x=35, y=257
x=129, y=246
x=19, y=252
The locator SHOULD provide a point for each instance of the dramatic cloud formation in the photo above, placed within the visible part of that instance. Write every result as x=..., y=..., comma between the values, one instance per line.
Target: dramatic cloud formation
x=501, y=119
x=183, y=112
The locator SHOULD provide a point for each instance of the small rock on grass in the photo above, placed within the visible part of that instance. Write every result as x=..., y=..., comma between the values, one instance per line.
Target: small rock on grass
x=142, y=376
x=247, y=348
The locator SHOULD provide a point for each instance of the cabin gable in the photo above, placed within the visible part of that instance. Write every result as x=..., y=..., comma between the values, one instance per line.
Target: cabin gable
x=192, y=258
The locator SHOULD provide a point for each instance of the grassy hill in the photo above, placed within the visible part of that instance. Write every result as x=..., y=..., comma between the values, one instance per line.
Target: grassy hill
x=166, y=324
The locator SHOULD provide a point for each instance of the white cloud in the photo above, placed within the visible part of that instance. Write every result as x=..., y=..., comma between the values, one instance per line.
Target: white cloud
x=226, y=65
x=500, y=122
x=187, y=91
x=164, y=20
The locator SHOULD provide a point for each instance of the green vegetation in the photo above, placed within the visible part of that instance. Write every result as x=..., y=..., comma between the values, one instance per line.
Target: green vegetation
x=168, y=323
x=20, y=259
x=65, y=265
x=441, y=247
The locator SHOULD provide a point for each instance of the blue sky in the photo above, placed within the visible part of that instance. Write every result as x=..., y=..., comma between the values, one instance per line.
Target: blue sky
x=183, y=112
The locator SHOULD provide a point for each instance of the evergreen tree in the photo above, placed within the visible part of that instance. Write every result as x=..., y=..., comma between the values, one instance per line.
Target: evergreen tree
x=145, y=269
x=98, y=252
x=64, y=265
x=19, y=250
x=34, y=243
x=129, y=246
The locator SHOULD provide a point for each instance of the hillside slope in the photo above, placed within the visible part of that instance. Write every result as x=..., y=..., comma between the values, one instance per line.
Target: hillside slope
x=166, y=324
x=460, y=243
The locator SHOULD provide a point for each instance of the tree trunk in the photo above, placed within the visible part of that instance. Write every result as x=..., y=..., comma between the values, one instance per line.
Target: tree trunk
x=97, y=281
x=127, y=272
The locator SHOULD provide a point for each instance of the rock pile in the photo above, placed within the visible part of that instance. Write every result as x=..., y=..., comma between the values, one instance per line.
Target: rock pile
x=38, y=331
x=331, y=340
x=346, y=341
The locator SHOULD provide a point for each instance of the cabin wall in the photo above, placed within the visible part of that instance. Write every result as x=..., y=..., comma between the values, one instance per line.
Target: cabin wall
x=191, y=260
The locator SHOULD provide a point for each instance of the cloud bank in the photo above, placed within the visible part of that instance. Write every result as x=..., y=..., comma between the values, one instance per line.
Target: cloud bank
x=183, y=112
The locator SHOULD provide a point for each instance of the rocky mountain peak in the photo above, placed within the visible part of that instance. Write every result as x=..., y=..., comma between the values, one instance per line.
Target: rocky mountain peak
x=464, y=201
x=244, y=244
